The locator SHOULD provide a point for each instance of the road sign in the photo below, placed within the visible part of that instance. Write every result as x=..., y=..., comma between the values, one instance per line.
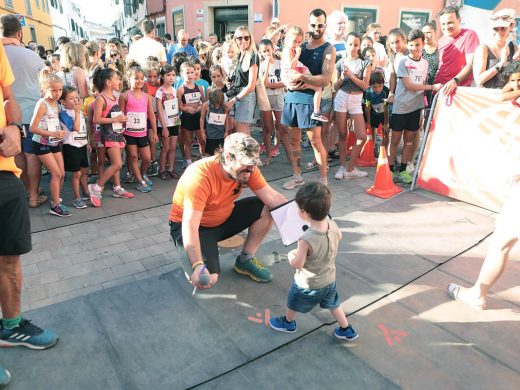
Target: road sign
x=21, y=18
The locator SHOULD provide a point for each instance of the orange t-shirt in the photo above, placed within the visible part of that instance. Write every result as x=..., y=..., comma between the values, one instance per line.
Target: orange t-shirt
x=205, y=188
x=6, y=79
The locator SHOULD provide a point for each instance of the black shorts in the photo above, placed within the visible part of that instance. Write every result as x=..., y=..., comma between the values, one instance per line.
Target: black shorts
x=40, y=150
x=140, y=142
x=75, y=158
x=190, y=122
x=376, y=119
x=245, y=212
x=213, y=144
x=173, y=131
x=15, y=229
x=410, y=121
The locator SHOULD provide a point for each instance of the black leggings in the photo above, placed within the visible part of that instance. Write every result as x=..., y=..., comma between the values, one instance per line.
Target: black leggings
x=244, y=214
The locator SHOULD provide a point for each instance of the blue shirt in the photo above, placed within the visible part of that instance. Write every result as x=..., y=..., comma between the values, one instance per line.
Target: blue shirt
x=190, y=50
x=204, y=84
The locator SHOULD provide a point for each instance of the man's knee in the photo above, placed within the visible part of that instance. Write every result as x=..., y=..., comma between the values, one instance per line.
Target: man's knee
x=8, y=262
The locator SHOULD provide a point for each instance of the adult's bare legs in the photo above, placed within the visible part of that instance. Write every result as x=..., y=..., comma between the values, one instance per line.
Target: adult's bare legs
x=10, y=286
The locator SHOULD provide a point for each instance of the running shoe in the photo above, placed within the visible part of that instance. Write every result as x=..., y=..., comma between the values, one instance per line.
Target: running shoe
x=275, y=151
x=293, y=183
x=254, y=269
x=173, y=175
x=354, y=174
x=348, y=334
x=147, y=180
x=121, y=193
x=95, y=196
x=143, y=187
x=129, y=178
x=28, y=335
x=79, y=203
x=5, y=377
x=318, y=116
x=153, y=169
x=60, y=210
x=262, y=149
x=164, y=175
x=281, y=324
x=405, y=177
x=340, y=174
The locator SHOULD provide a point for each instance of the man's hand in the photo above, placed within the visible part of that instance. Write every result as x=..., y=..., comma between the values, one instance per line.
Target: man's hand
x=195, y=278
x=10, y=145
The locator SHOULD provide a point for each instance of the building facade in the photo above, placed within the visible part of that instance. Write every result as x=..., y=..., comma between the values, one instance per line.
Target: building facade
x=67, y=20
x=202, y=17
x=132, y=14
x=35, y=16
x=156, y=11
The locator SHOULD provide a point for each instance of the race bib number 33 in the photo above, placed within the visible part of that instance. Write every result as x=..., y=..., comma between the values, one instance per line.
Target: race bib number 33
x=136, y=121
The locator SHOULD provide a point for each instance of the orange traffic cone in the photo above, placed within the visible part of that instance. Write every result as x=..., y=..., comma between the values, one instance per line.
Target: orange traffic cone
x=351, y=141
x=384, y=186
x=367, y=158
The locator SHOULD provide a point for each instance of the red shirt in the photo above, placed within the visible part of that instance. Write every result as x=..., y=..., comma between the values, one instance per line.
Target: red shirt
x=452, y=56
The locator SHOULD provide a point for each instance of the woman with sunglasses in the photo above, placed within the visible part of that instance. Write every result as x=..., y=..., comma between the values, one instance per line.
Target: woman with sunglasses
x=491, y=59
x=242, y=92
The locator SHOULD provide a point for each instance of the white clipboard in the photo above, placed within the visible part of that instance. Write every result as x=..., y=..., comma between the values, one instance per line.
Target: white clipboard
x=288, y=222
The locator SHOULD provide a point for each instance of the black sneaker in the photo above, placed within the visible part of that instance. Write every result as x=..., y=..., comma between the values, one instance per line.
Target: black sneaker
x=27, y=335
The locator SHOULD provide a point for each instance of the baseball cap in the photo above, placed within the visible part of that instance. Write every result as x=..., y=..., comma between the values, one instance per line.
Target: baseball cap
x=503, y=18
x=244, y=148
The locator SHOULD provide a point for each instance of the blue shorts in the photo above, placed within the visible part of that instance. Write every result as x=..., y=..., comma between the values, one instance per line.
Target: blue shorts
x=303, y=300
x=299, y=115
x=27, y=146
x=245, y=109
x=326, y=106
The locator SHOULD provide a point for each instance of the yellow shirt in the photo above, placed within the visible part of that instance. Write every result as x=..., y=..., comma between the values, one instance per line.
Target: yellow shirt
x=6, y=79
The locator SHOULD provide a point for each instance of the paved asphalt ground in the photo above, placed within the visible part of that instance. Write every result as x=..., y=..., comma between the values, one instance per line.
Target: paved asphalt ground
x=109, y=281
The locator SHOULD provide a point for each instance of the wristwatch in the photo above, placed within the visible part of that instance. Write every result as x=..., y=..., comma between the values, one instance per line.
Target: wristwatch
x=457, y=81
x=20, y=127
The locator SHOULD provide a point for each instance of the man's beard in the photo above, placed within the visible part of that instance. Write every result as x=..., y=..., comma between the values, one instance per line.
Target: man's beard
x=317, y=35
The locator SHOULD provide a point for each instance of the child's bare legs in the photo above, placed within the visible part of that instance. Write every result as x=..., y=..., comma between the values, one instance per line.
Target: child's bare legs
x=57, y=173
x=145, y=154
x=76, y=177
x=340, y=316
x=116, y=163
x=83, y=182
x=171, y=151
x=133, y=160
x=290, y=315
x=408, y=138
x=267, y=130
x=164, y=154
x=394, y=144
x=283, y=134
x=316, y=99
x=101, y=160
x=201, y=138
x=187, y=137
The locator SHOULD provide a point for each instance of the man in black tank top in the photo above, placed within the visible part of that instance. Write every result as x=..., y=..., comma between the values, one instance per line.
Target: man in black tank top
x=320, y=57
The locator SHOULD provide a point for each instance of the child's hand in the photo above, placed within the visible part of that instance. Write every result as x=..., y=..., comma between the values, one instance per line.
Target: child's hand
x=89, y=148
x=120, y=118
x=59, y=134
x=153, y=138
x=77, y=107
x=436, y=87
x=292, y=254
x=298, y=50
x=165, y=132
x=346, y=72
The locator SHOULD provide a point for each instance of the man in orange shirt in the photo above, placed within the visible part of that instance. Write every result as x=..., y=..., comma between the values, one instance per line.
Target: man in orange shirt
x=205, y=210
x=15, y=229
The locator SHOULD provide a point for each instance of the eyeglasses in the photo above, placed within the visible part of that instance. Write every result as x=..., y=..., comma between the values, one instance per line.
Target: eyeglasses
x=503, y=17
x=320, y=26
x=245, y=38
x=497, y=29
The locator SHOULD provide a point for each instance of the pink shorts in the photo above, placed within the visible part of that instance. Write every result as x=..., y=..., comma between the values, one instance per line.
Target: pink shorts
x=113, y=144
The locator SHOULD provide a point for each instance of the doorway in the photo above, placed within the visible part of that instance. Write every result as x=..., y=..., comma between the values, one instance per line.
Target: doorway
x=227, y=19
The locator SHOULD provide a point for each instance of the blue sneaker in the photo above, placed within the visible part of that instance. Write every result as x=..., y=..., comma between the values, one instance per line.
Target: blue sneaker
x=348, y=334
x=281, y=324
x=254, y=269
x=5, y=377
x=143, y=187
x=147, y=180
x=28, y=335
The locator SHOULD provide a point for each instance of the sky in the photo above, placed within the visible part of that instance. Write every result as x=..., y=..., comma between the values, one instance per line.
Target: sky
x=99, y=11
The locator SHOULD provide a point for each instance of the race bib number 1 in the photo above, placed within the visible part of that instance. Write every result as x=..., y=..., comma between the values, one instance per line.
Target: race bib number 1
x=136, y=121
x=192, y=98
x=217, y=119
x=53, y=125
x=117, y=127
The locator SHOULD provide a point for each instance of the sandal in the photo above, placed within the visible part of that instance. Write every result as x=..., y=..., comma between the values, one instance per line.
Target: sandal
x=453, y=292
x=34, y=203
x=266, y=162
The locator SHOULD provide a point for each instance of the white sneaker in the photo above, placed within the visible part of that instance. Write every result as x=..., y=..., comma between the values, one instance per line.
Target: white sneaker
x=340, y=174
x=293, y=183
x=354, y=174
